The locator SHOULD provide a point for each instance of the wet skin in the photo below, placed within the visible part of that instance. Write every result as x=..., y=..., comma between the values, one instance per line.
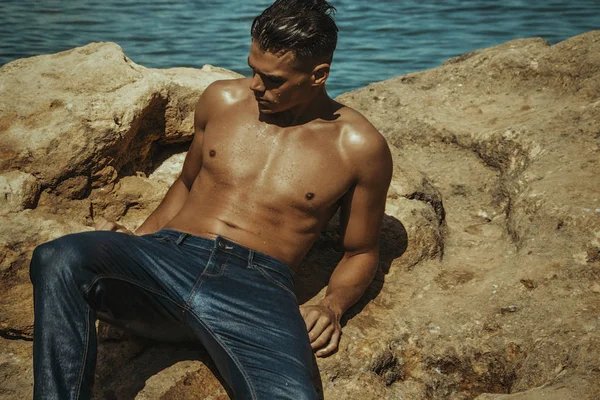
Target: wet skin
x=272, y=159
x=268, y=187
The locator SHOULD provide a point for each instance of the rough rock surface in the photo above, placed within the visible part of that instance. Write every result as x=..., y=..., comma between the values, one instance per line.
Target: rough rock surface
x=489, y=283
x=83, y=133
x=18, y=191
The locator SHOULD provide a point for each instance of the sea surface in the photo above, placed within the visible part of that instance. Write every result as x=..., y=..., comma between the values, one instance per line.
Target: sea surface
x=378, y=39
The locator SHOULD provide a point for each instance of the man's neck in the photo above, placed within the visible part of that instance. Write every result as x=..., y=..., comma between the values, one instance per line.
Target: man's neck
x=319, y=106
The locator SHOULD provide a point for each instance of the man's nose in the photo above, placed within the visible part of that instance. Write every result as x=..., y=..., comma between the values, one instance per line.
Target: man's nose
x=257, y=84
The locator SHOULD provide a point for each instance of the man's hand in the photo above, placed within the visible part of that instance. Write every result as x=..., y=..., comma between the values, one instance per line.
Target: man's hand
x=103, y=224
x=324, y=329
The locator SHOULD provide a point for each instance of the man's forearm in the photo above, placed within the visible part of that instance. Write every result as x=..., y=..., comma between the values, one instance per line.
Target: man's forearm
x=349, y=281
x=167, y=209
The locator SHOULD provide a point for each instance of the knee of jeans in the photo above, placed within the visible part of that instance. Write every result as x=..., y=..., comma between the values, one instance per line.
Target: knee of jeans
x=54, y=259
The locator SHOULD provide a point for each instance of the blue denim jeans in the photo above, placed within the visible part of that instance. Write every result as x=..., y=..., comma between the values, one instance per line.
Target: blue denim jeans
x=169, y=286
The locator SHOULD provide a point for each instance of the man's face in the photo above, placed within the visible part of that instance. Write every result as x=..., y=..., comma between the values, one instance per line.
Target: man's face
x=276, y=84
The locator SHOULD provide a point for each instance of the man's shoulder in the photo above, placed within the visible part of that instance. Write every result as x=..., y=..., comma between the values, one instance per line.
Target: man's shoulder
x=224, y=93
x=365, y=148
x=359, y=137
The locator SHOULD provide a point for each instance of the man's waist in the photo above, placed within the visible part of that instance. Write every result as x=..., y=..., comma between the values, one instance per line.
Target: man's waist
x=212, y=242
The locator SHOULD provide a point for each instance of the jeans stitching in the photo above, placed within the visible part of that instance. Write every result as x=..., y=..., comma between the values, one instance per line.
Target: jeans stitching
x=120, y=278
x=221, y=270
x=274, y=281
x=189, y=331
x=198, y=283
x=86, y=346
x=184, y=307
x=229, y=353
x=188, y=244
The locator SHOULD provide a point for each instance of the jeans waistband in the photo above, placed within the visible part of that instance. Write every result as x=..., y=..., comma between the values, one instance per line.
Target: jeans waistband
x=229, y=247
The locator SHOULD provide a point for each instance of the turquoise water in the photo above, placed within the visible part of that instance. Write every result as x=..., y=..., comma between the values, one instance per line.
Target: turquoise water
x=379, y=39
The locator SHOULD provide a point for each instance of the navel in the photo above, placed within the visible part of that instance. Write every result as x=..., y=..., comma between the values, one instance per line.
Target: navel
x=212, y=153
x=309, y=196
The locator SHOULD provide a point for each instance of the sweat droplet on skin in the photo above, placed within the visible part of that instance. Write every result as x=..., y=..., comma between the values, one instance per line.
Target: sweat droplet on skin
x=309, y=196
x=212, y=153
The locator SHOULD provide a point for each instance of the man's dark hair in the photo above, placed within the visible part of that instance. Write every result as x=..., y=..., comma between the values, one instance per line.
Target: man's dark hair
x=305, y=27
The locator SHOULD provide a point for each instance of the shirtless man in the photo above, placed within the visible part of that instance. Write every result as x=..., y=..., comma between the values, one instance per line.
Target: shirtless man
x=272, y=159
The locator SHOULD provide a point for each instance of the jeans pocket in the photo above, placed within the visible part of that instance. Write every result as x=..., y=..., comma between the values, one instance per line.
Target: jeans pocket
x=276, y=279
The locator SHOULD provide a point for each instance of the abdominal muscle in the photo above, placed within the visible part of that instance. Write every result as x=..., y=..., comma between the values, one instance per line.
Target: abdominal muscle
x=251, y=220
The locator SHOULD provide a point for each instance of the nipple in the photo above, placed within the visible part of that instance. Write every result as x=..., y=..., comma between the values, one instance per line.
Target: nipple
x=309, y=196
x=212, y=153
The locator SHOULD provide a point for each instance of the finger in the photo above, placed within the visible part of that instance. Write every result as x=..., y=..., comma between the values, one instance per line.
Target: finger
x=323, y=338
x=310, y=319
x=100, y=221
x=322, y=323
x=108, y=226
x=332, y=346
x=303, y=311
x=103, y=224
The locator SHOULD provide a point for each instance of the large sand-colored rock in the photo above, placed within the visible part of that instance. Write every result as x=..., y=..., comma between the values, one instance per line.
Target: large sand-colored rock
x=489, y=283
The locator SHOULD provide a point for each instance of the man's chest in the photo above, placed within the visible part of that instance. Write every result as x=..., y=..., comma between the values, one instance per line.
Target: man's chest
x=303, y=168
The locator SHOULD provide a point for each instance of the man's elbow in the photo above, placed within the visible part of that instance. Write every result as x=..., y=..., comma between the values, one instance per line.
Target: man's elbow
x=370, y=251
x=366, y=259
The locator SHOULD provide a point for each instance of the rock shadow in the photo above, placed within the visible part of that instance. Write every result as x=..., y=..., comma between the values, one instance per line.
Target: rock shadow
x=133, y=153
x=161, y=152
x=126, y=362
x=316, y=269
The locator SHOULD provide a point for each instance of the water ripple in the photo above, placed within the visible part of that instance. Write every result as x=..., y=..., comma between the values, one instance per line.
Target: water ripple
x=378, y=39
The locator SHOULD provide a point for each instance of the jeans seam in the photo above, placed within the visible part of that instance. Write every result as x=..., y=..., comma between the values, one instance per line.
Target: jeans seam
x=229, y=353
x=187, y=305
x=198, y=283
x=188, y=244
x=133, y=282
x=184, y=307
x=221, y=270
x=86, y=346
x=274, y=281
x=189, y=331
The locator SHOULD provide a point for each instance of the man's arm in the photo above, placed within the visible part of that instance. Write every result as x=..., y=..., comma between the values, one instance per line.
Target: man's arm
x=362, y=211
x=178, y=193
x=179, y=190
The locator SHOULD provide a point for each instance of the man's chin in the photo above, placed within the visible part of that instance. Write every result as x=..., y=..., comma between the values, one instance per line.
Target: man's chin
x=265, y=109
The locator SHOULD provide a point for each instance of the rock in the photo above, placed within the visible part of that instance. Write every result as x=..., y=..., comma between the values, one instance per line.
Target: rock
x=18, y=191
x=73, y=188
x=109, y=115
x=490, y=258
x=169, y=169
x=507, y=137
x=75, y=143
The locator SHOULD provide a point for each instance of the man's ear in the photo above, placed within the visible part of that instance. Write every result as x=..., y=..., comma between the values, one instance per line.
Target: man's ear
x=320, y=73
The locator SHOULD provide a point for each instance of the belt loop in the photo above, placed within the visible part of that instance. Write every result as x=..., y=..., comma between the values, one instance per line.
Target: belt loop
x=250, y=257
x=181, y=238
